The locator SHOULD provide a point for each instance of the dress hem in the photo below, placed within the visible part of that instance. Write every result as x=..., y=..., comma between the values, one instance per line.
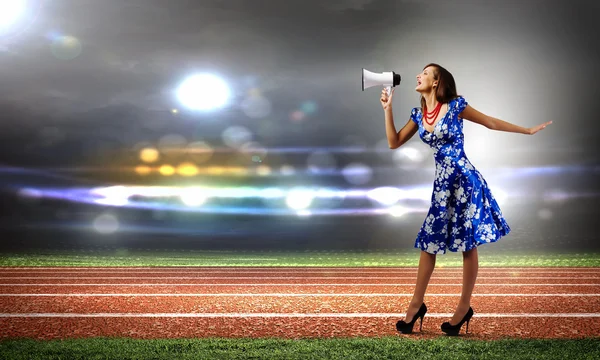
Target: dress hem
x=473, y=244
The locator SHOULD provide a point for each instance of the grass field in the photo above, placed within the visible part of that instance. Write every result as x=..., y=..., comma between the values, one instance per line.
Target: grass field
x=123, y=257
x=272, y=348
x=346, y=349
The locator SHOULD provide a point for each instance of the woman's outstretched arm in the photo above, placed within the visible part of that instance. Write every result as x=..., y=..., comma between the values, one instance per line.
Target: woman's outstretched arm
x=492, y=123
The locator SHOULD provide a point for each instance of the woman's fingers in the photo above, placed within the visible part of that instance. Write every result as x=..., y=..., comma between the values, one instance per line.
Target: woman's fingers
x=540, y=127
x=543, y=126
x=385, y=97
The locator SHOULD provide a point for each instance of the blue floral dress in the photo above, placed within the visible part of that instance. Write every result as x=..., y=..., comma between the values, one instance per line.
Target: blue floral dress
x=463, y=214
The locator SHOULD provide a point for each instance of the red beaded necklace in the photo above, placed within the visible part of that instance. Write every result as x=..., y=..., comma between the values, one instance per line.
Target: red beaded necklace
x=432, y=115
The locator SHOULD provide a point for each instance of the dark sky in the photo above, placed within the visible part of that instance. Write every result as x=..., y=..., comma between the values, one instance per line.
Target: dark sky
x=522, y=61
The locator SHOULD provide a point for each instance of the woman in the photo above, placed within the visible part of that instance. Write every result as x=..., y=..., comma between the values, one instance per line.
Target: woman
x=463, y=212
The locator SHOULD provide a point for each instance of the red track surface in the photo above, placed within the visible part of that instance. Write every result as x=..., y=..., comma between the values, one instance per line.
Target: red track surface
x=51, y=303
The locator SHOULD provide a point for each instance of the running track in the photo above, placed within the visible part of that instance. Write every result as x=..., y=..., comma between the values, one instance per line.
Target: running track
x=284, y=302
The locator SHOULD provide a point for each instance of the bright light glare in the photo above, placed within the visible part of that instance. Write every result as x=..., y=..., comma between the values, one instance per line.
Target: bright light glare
x=299, y=199
x=193, y=197
x=398, y=211
x=203, y=92
x=386, y=195
x=10, y=12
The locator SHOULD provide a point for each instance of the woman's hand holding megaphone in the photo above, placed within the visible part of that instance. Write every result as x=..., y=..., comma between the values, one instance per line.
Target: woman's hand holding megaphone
x=386, y=101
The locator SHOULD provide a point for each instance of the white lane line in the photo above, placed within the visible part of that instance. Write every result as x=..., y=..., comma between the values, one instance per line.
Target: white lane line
x=117, y=267
x=285, y=295
x=286, y=315
x=319, y=284
x=277, y=271
x=275, y=277
x=283, y=269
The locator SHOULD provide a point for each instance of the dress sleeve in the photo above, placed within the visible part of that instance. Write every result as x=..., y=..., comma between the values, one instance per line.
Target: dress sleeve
x=413, y=115
x=460, y=104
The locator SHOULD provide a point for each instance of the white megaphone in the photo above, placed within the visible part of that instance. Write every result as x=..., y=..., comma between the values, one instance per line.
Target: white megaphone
x=388, y=79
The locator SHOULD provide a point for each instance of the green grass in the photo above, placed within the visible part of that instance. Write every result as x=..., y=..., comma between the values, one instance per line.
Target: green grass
x=125, y=257
x=349, y=348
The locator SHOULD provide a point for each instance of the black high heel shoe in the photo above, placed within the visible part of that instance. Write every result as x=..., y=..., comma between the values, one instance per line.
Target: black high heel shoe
x=406, y=328
x=455, y=329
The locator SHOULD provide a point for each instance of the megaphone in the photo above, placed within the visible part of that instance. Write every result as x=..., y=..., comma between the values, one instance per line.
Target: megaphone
x=388, y=79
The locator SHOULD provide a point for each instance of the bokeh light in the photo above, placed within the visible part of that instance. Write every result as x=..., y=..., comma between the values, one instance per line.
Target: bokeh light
x=193, y=197
x=149, y=155
x=114, y=195
x=308, y=107
x=143, y=169
x=166, y=170
x=320, y=162
x=11, y=11
x=357, y=173
x=408, y=156
x=106, y=224
x=187, y=169
x=385, y=195
x=203, y=92
x=254, y=152
x=303, y=213
x=297, y=116
x=545, y=214
x=235, y=136
x=256, y=106
x=299, y=199
x=66, y=47
x=398, y=211
x=215, y=170
x=199, y=151
x=287, y=170
x=263, y=170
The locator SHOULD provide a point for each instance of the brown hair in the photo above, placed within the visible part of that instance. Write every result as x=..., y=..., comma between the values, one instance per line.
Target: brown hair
x=446, y=89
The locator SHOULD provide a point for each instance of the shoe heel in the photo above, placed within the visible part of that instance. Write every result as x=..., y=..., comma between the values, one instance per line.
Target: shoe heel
x=470, y=315
x=455, y=329
x=407, y=328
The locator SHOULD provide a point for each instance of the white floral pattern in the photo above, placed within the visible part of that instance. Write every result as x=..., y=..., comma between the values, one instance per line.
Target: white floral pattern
x=463, y=214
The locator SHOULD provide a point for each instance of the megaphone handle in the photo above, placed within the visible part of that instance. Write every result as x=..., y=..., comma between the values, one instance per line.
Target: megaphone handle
x=389, y=90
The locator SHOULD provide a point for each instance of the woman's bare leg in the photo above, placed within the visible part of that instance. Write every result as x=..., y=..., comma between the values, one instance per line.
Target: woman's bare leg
x=426, y=266
x=470, y=267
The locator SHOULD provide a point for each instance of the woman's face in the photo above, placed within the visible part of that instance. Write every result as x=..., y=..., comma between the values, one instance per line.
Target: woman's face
x=425, y=80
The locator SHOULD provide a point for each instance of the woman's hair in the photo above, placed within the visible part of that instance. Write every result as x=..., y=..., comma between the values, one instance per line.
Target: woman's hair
x=446, y=89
